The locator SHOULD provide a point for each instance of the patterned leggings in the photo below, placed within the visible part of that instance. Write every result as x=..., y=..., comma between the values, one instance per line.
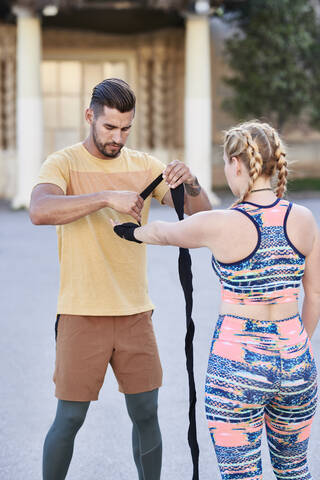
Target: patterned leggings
x=261, y=371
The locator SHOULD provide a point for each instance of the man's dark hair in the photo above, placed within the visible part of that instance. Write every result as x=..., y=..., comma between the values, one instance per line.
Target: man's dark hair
x=114, y=93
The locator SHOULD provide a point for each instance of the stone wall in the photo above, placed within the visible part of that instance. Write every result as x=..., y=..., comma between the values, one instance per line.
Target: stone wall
x=7, y=110
x=157, y=62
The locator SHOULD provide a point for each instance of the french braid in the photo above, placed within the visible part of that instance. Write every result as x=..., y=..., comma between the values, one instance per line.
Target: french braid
x=261, y=150
x=281, y=164
x=255, y=162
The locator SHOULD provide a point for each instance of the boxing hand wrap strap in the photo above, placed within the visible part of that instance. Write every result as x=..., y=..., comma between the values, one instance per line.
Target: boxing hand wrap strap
x=126, y=230
x=146, y=192
x=185, y=274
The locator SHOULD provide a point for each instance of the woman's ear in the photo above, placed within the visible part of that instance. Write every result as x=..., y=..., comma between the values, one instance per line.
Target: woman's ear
x=237, y=164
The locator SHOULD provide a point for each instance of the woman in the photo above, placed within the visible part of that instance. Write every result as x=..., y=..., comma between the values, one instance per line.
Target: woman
x=261, y=367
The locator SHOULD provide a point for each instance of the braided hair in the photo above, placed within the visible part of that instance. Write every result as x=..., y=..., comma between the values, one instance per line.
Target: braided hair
x=260, y=148
x=281, y=163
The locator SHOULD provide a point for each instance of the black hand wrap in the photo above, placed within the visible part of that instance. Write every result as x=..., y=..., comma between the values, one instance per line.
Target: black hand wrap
x=126, y=230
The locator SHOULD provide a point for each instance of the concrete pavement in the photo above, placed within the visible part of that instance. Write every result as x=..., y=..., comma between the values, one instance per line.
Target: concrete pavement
x=28, y=291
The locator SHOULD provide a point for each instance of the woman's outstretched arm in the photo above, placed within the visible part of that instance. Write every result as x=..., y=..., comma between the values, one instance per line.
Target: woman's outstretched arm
x=193, y=232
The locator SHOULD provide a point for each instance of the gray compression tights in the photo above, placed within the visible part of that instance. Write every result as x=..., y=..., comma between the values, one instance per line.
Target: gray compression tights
x=146, y=436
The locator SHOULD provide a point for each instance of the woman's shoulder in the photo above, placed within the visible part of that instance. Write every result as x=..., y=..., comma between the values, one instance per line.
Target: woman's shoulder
x=220, y=215
x=301, y=227
x=225, y=215
x=233, y=237
x=219, y=221
x=227, y=223
x=300, y=213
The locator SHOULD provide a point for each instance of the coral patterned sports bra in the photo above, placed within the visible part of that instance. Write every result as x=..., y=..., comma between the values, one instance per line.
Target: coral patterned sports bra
x=272, y=272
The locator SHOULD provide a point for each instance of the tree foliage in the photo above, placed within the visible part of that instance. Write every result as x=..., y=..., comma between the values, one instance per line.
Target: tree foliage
x=274, y=58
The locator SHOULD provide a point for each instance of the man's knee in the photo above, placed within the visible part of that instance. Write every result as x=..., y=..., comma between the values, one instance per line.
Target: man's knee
x=74, y=421
x=143, y=407
x=70, y=416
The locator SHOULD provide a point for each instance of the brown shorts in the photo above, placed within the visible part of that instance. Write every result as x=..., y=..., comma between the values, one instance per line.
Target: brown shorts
x=86, y=344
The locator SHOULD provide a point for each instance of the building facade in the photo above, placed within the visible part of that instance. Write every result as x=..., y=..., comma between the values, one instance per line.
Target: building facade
x=47, y=72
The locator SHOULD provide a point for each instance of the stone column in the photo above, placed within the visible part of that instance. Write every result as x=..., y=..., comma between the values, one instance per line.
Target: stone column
x=29, y=104
x=172, y=88
x=198, y=141
x=159, y=100
x=1, y=105
x=144, y=105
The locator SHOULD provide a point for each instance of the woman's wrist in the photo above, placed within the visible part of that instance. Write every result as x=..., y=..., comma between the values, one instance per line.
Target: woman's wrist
x=136, y=232
x=127, y=231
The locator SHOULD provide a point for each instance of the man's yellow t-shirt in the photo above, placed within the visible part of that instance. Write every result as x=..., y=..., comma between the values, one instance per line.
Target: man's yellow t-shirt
x=100, y=273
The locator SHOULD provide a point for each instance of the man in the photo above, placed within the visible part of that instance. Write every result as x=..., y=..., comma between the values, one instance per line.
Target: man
x=104, y=312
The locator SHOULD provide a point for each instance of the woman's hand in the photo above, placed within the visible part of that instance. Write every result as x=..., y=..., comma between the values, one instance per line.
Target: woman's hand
x=125, y=230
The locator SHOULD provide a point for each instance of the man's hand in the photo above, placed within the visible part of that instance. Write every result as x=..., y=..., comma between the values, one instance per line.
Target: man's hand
x=178, y=172
x=196, y=199
x=126, y=202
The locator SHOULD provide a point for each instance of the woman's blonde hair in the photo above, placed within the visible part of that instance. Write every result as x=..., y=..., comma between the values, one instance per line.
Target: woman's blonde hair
x=261, y=150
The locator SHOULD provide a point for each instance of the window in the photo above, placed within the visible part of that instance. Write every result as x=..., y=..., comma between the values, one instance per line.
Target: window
x=67, y=87
x=7, y=104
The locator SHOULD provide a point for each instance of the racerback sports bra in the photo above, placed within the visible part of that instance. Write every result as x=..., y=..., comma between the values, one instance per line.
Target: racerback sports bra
x=272, y=272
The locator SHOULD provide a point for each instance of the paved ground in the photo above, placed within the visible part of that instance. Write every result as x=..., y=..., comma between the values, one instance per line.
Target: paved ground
x=28, y=289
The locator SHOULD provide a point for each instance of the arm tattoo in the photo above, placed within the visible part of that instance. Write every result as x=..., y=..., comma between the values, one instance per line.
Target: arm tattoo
x=193, y=189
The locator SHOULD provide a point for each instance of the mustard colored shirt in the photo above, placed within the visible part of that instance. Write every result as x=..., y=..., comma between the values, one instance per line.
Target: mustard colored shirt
x=100, y=273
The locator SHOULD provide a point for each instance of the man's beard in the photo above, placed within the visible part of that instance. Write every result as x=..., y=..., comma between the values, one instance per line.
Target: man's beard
x=102, y=147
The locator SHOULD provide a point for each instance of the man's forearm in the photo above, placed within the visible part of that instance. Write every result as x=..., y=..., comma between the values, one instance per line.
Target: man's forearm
x=49, y=207
x=196, y=199
x=62, y=209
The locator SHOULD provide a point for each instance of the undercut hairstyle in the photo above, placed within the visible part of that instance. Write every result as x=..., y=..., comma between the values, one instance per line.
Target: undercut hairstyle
x=113, y=93
x=261, y=150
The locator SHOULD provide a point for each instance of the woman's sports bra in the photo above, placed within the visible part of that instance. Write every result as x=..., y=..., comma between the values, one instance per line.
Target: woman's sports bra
x=273, y=271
